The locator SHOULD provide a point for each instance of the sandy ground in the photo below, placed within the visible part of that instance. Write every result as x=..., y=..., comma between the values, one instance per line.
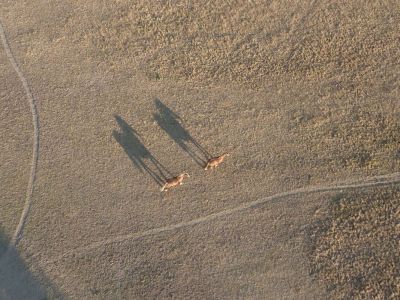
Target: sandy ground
x=303, y=94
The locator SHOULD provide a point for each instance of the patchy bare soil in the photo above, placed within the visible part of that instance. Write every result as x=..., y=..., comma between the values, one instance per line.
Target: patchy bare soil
x=303, y=94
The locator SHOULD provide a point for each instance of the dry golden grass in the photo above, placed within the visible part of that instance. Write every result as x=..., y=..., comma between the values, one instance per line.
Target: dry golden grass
x=355, y=249
x=302, y=93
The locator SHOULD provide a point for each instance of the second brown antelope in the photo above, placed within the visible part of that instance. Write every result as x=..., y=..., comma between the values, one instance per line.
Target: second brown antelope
x=215, y=161
x=173, y=182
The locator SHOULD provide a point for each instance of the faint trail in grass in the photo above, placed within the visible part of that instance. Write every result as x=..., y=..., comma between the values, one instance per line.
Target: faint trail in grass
x=35, y=147
x=369, y=182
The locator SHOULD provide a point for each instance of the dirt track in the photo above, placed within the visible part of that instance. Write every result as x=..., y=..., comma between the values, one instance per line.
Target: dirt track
x=304, y=96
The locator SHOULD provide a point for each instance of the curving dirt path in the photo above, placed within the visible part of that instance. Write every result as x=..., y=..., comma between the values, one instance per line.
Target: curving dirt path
x=35, y=147
x=375, y=181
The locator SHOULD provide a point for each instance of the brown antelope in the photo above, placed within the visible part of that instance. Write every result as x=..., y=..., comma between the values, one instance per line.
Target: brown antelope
x=173, y=182
x=215, y=161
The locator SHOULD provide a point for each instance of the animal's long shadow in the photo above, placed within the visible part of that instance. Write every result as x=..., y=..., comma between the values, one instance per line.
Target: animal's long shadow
x=140, y=156
x=169, y=122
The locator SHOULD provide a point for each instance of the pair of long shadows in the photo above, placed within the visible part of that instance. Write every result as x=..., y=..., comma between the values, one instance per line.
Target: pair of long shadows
x=142, y=158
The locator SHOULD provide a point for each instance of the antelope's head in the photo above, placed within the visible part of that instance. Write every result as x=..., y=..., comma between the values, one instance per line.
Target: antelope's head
x=184, y=174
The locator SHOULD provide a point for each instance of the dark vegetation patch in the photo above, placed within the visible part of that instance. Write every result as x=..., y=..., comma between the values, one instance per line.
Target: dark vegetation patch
x=354, y=250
